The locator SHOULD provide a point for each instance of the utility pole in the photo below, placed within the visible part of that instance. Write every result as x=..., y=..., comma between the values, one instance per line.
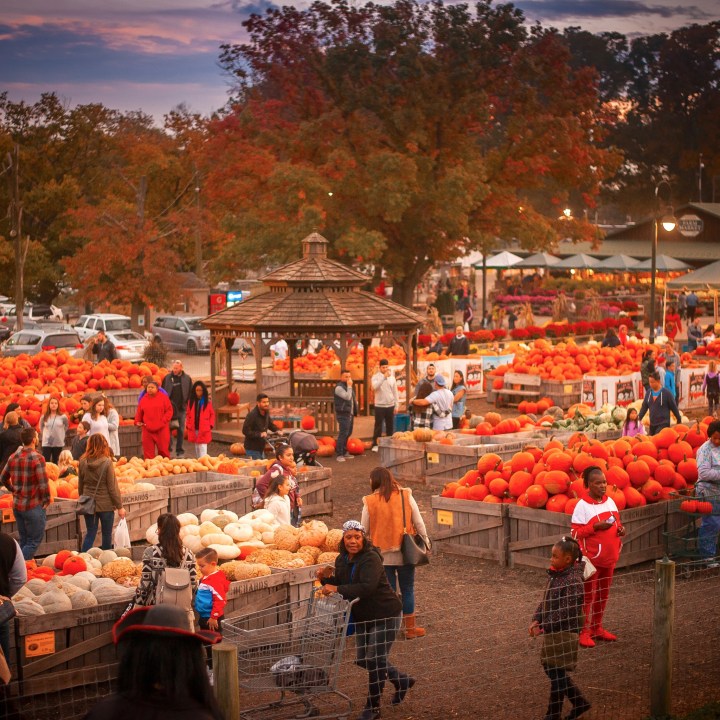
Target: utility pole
x=198, y=239
x=21, y=248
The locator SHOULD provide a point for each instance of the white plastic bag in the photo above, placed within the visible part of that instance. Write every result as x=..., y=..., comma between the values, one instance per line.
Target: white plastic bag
x=121, y=536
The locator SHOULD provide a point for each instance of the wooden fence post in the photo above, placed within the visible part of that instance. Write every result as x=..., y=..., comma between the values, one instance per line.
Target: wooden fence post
x=226, y=680
x=663, y=620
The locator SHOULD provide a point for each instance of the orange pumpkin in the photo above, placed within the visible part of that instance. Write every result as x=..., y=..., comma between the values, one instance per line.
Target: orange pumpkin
x=355, y=446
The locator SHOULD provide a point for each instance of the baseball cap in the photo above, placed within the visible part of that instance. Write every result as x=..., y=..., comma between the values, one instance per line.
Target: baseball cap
x=161, y=621
x=440, y=380
x=384, y=361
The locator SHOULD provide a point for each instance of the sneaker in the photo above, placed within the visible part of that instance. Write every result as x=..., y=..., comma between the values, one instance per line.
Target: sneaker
x=340, y=458
x=603, y=634
x=585, y=640
x=375, y=448
x=348, y=456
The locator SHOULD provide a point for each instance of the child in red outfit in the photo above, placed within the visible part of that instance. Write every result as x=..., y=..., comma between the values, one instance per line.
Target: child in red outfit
x=154, y=413
x=211, y=594
x=597, y=528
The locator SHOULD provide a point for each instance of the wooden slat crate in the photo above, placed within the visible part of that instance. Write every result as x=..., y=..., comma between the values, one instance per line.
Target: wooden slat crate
x=301, y=582
x=517, y=385
x=644, y=539
x=315, y=491
x=142, y=510
x=504, y=449
x=124, y=401
x=62, y=530
x=223, y=492
x=179, y=479
x=450, y=462
x=404, y=458
x=563, y=393
x=276, y=382
x=465, y=527
x=532, y=533
x=253, y=595
x=78, y=643
x=130, y=437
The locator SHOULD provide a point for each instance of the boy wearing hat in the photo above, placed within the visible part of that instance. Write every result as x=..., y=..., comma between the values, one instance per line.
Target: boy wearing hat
x=384, y=386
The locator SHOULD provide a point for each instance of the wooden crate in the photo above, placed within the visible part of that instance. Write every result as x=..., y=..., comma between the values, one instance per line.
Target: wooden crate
x=465, y=527
x=644, y=539
x=216, y=490
x=315, y=491
x=504, y=449
x=301, y=582
x=518, y=386
x=142, y=510
x=404, y=458
x=445, y=463
x=276, y=382
x=124, y=401
x=532, y=533
x=563, y=393
x=255, y=594
x=130, y=437
x=62, y=530
x=77, y=648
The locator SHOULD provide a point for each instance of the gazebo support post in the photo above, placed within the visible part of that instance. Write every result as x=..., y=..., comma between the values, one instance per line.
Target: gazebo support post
x=258, y=361
x=366, y=375
x=410, y=347
x=228, y=361
x=292, y=351
x=213, y=345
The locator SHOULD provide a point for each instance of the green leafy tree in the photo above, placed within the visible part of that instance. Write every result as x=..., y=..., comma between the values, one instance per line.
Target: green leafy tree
x=407, y=133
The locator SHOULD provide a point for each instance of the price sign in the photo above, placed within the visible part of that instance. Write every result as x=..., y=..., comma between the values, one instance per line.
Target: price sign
x=40, y=644
x=445, y=517
x=8, y=515
x=433, y=458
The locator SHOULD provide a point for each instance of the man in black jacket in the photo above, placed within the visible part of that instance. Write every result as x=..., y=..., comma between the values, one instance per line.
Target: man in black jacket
x=256, y=426
x=10, y=439
x=104, y=348
x=177, y=385
x=459, y=345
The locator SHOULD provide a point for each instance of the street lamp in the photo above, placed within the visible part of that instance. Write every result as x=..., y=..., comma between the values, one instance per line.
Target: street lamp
x=668, y=223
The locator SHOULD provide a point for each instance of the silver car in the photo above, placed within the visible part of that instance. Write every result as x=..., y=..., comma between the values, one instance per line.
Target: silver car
x=35, y=340
x=129, y=345
x=88, y=326
x=181, y=333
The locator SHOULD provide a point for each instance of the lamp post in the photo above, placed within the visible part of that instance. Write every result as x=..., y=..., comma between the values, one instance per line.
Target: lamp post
x=668, y=222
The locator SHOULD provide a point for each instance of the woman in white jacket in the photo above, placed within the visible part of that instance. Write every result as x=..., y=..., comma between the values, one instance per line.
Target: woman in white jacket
x=277, y=500
x=113, y=418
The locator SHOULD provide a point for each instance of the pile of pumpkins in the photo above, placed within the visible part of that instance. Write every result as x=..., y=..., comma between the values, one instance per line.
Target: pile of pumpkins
x=256, y=537
x=639, y=471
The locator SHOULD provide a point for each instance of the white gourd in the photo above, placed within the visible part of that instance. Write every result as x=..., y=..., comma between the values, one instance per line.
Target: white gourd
x=216, y=539
x=29, y=607
x=239, y=532
x=36, y=585
x=83, y=599
x=124, y=552
x=101, y=582
x=54, y=601
x=151, y=535
x=186, y=530
x=107, y=556
x=186, y=519
x=85, y=575
x=82, y=583
x=261, y=526
x=95, y=552
x=193, y=543
x=49, y=561
x=207, y=528
x=24, y=593
x=226, y=552
x=113, y=593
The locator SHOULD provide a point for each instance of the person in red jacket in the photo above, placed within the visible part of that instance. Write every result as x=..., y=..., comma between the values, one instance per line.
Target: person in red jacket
x=597, y=528
x=199, y=418
x=154, y=413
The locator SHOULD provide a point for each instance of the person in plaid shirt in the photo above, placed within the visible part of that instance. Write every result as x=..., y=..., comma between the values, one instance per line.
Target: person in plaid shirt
x=26, y=478
x=422, y=416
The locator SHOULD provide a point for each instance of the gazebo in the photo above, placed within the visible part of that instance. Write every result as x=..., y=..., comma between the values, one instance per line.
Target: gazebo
x=313, y=297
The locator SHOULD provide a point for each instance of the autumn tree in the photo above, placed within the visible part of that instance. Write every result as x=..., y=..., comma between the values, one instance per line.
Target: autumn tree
x=406, y=133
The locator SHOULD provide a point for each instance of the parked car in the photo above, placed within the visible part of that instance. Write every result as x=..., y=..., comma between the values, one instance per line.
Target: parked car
x=129, y=345
x=37, y=312
x=89, y=325
x=34, y=340
x=181, y=333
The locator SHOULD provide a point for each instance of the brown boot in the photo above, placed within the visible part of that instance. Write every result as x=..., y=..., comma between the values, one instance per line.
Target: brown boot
x=411, y=631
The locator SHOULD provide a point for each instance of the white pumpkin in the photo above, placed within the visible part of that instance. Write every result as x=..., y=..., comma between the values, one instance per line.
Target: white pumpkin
x=226, y=552
x=208, y=528
x=239, y=532
x=193, y=543
x=261, y=526
x=264, y=515
x=268, y=537
x=107, y=556
x=216, y=539
x=187, y=519
x=186, y=530
x=151, y=535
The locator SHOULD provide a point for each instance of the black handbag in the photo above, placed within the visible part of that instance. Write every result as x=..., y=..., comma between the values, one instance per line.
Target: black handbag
x=7, y=611
x=413, y=548
x=86, y=503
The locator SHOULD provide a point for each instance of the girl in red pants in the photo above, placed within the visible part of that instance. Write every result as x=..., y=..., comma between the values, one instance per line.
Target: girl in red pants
x=597, y=528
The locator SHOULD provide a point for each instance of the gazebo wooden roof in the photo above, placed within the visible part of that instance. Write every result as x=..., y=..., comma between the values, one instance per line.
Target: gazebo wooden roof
x=313, y=297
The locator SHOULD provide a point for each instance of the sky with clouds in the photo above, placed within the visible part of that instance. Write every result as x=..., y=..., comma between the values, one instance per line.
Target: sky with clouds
x=154, y=54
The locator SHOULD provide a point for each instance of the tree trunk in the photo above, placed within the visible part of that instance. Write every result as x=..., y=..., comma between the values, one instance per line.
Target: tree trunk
x=403, y=291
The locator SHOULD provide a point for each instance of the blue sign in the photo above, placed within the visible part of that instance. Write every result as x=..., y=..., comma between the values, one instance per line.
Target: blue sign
x=234, y=297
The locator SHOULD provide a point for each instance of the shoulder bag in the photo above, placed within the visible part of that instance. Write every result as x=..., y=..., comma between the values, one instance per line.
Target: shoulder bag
x=86, y=503
x=413, y=548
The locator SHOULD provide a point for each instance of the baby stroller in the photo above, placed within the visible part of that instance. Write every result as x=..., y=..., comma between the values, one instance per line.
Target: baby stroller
x=303, y=444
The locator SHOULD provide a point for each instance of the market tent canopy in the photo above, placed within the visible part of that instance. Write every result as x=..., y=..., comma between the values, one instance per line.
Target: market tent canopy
x=539, y=260
x=620, y=263
x=503, y=259
x=708, y=276
x=663, y=263
x=578, y=262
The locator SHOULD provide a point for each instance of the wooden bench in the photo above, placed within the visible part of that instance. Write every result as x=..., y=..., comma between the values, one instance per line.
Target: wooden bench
x=517, y=385
x=233, y=412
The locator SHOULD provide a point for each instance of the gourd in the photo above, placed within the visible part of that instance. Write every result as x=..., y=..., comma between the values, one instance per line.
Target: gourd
x=24, y=593
x=287, y=537
x=216, y=539
x=186, y=530
x=260, y=526
x=237, y=449
x=83, y=599
x=73, y=565
x=101, y=582
x=79, y=582
x=422, y=435
x=54, y=601
x=226, y=552
x=187, y=519
x=208, y=528
x=225, y=516
x=95, y=552
x=247, y=570
x=122, y=567
x=36, y=586
x=332, y=541
x=619, y=415
x=327, y=558
x=113, y=593
x=310, y=552
x=49, y=561
x=83, y=576
x=193, y=543
x=151, y=535
x=262, y=514
x=123, y=553
x=107, y=556
x=313, y=533
x=29, y=607
x=238, y=532
x=268, y=537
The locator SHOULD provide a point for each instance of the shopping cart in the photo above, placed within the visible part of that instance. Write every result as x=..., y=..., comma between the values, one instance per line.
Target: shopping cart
x=294, y=649
x=683, y=543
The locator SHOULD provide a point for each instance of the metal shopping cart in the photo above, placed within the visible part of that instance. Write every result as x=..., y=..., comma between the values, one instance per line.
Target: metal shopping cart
x=294, y=649
x=683, y=542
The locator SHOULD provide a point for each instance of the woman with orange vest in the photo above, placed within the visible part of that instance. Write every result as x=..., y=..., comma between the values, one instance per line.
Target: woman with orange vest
x=383, y=516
